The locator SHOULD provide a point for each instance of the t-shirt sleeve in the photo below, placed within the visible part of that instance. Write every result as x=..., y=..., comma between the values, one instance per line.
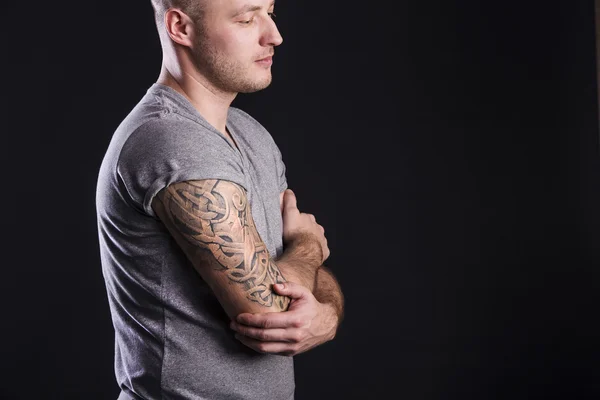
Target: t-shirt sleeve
x=162, y=152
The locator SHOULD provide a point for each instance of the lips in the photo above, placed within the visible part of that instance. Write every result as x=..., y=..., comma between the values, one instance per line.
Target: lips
x=268, y=58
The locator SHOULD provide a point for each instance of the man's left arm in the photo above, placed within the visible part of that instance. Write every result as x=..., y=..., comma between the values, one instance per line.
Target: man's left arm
x=327, y=291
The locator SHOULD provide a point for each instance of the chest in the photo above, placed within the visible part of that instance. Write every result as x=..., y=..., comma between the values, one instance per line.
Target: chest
x=262, y=189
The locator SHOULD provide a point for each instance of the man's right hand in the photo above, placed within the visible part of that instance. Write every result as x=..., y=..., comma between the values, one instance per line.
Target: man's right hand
x=297, y=225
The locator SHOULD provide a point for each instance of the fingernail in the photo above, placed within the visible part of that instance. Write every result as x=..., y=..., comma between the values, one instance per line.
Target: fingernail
x=279, y=285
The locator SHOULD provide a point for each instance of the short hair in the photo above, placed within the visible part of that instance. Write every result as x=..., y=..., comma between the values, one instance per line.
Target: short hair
x=192, y=8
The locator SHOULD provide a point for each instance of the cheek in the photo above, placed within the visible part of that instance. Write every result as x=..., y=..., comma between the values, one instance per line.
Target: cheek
x=237, y=44
x=227, y=36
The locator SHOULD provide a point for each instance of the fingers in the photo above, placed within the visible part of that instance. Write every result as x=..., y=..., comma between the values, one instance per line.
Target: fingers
x=291, y=289
x=292, y=335
x=271, y=320
x=281, y=348
x=289, y=200
x=296, y=222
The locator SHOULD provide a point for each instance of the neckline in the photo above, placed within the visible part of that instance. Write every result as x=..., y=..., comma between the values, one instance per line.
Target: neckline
x=233, y=139
x=192, y=112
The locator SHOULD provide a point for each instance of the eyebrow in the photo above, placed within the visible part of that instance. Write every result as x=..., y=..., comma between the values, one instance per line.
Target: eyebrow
x=249, y=7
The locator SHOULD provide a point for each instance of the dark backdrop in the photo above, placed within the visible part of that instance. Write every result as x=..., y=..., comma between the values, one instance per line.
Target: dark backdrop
x=449, y=148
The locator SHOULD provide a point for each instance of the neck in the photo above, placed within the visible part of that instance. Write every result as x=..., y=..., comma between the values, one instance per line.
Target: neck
x=211, y=103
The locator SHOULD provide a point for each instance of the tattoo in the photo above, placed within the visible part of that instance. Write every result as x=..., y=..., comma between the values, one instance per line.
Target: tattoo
x=215, y=215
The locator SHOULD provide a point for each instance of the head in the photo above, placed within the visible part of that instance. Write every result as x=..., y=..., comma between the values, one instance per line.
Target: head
x=219, y=41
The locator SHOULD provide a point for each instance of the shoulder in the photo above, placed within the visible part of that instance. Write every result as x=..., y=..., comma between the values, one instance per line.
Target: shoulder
x=172, y=139
x=171, y=130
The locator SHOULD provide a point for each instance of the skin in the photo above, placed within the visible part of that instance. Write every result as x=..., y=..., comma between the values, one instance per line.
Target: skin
x=209, y=61
x=315, y=312
x=211, y=220
x=212, y=60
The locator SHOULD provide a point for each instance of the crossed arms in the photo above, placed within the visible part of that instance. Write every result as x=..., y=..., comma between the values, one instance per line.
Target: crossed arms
x=212, y=222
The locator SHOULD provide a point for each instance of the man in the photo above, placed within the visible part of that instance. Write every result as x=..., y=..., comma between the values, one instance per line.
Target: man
x=196, y=224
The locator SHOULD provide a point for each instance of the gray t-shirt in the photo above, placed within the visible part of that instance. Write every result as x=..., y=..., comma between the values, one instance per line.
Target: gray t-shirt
x=172, y=337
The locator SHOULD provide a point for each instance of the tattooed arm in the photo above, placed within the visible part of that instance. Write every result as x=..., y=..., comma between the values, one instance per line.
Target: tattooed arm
x=315, y=312
x=212, y=223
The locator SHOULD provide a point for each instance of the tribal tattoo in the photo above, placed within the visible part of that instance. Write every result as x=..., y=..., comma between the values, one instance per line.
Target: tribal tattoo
x=215, y=215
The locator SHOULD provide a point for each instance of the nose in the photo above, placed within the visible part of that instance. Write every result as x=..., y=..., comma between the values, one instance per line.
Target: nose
x=271, y=35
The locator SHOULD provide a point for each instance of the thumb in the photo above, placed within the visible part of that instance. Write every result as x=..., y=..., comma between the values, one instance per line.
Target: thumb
x=289, y=200
x=291, y=289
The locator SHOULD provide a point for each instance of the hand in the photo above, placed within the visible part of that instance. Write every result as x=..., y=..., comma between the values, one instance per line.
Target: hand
x=305, y=325
x=296, y=223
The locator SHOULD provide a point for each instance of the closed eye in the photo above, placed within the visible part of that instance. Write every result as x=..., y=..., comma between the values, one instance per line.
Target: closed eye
x=248, y=22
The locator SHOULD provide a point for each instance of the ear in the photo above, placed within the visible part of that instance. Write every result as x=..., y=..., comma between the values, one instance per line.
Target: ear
x=179, y=27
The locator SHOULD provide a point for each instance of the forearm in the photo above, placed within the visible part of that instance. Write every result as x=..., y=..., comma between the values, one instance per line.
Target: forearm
x=306, y=277
x=328, y=291
x=300, y=262
x=320, y=282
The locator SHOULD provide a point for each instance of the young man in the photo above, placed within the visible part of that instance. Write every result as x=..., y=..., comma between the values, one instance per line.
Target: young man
x=196, y=223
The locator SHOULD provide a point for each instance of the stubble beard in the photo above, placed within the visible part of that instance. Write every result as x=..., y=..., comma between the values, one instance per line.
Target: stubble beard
x=225, y=73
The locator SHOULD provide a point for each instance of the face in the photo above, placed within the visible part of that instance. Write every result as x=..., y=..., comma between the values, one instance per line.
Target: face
x=230, y=39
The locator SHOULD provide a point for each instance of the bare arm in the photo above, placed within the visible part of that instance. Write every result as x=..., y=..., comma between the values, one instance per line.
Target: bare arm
x=212, y=222
x=321, y=282
x=327, y=291
x=292, y=266
x=316, y=310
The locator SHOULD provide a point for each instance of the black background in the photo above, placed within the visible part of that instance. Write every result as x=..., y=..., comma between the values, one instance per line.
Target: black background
x=449, y=148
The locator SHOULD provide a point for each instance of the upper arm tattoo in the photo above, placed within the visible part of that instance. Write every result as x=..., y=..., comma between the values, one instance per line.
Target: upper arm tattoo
x=215, y=215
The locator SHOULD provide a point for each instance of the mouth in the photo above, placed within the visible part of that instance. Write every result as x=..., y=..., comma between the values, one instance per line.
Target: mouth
x=265, y=62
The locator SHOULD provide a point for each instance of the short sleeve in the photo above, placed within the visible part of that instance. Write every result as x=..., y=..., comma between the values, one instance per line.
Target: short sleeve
x=165, y=151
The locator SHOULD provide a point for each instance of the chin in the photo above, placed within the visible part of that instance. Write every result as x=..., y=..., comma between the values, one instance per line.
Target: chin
x=255, y=86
